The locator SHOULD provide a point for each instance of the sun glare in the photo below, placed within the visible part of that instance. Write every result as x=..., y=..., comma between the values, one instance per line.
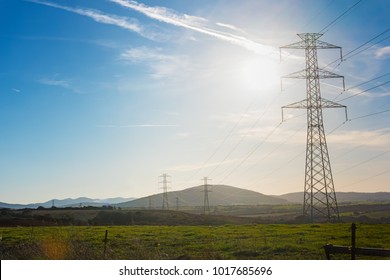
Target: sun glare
x=260, y=74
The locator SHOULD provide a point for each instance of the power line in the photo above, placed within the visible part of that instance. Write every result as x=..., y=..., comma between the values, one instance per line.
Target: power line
x=251, y=152
x=358, y=85
x=356, y=165
x=333, y=130
x=365, y=179
x=351, y=53
x=366, y=82
x=262, y=141
x=243, y=137
x=277, y=147
x=369, y=115
x=363, y=162
x=380, y=41
x=317, y=14
x=337, y=127
x=365, y=141
x=339, y=18
x=359, y=93
x=284, y=164
x=223, y=140
x=296, y=156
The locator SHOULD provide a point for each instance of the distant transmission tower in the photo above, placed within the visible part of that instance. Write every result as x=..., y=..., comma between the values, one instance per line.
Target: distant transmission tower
x=319, y=202
x=165, y=183
x=206, y=205
x=177, y=204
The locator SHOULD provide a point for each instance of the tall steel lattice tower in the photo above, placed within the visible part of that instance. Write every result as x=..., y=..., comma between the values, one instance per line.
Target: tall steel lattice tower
x=319, y=202
x=206, y=205
x=165, y=183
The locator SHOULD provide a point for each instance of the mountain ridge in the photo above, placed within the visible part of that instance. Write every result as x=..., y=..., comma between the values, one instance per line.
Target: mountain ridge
x=67, y=202
x=194, y=196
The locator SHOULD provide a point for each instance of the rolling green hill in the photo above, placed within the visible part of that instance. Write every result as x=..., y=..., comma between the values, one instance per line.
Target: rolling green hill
x=218, y=195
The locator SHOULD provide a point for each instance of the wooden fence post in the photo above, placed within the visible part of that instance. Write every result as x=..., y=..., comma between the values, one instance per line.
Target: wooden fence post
x=105, y=242
x=352, y=250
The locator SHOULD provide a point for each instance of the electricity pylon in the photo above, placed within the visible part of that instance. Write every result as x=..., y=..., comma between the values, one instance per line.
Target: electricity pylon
x=177, y=204
x=319, y=202
x=206, y=205
x=165, y=183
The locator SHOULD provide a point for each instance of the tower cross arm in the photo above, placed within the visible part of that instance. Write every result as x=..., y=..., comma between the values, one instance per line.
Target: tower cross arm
x=312, y=43
x=325, y=103
x=324, y=74
x=297, y=45
x=310, y=40
x=325, y=45
x=301, y=74
x=320, y=74
x=297, y=105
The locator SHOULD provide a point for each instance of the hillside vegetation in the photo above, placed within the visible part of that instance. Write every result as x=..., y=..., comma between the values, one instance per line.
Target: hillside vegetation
x=224, y=242
x=218, y=195
x=218, y=215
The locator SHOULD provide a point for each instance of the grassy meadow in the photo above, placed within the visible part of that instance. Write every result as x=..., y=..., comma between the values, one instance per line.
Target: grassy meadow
x=254, y=241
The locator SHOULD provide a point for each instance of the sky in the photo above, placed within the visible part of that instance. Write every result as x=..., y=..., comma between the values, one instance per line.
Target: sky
x=100, y=98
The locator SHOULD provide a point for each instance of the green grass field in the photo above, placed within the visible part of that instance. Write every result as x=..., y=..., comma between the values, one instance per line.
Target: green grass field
x=265, y=241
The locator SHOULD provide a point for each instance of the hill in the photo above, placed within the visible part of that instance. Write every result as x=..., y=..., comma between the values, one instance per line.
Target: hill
x=194, y=197
x=68, y=202
x=297, y=197
x=218, y=195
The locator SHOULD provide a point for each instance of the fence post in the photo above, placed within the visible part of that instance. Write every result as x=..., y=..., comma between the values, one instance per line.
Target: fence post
x=353, y=241
x=327, y=249
x=105, y=242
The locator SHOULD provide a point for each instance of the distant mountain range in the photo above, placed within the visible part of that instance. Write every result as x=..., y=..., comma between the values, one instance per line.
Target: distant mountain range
x=69, y=202
x=194, y=196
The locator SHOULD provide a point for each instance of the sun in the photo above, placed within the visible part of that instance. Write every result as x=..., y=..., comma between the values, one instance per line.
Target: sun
x=260, y=73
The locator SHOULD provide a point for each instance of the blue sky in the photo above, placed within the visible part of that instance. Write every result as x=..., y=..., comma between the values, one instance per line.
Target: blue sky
x=99, y=98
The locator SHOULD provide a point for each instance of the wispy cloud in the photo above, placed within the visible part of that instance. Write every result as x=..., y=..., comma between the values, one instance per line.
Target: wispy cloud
x=98, y=16
x=230, y=26
x=150, y=125
x=171, y=113
x=16, y=90
x=54, y=81
x=375, y=139
x=198, y=24
x=181, y=135
x=145, y=54
x=168, y=16
x=383, y=52
x=98, y=42
x=135, y=125
x=163, y=65
x=199, y=165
